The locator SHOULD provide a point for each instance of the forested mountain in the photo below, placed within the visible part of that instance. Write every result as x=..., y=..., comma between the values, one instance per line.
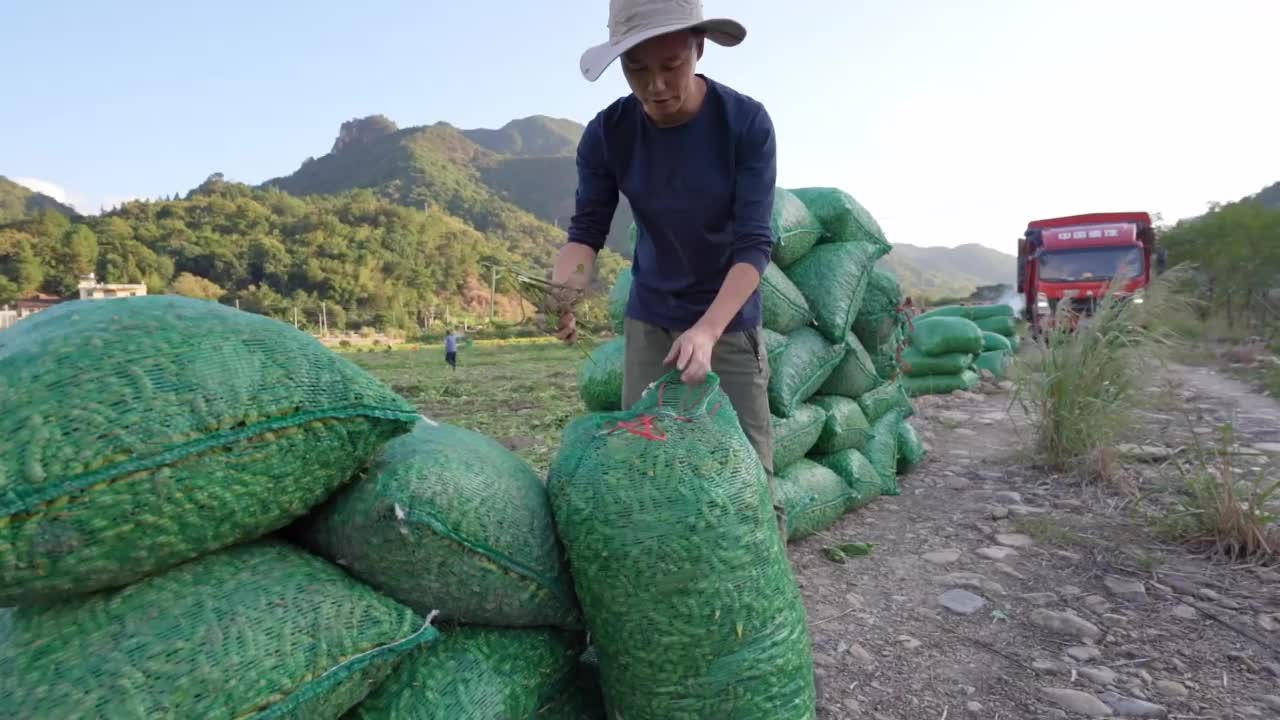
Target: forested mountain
x=366, y=257
x=20, y=203
x=934, y=272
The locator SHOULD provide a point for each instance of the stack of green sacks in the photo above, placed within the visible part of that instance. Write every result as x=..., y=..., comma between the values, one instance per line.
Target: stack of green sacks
x=941, y=354
x=833, y=329
x=1000, y=333
x=155, y=533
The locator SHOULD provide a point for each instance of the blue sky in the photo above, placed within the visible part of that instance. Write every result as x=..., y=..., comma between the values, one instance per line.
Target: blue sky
x=952, y=121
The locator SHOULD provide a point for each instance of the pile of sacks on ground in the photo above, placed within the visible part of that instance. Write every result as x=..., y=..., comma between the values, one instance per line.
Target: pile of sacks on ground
x=205, y=513
x=833, y=328
x=949, y=347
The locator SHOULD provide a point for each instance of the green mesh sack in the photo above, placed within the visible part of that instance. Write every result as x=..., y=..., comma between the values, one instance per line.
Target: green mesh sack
x=957, y=311
x=1006, y=326
x=775, y=344
x=143, y=432
x=784, y=308
x=995, y=362
x=939, y=384
x=814, y=496
x=795, y=436
x=600, y=376
x=801, y=368
x=857, y=472
x=878, y=316
x=942, y=335
x=982, y=312
x=261, y=630
x=885, y=399
x=882, y=451
x=994, y=341
x=477, y=673
x=843, y=218
x=911, y=451
x=795, y=231
x=856, y=373
x=619, y=296
x=846, y=425
x=580, y=701
x=447, y=519
x=915, y=363
x=886, y=364
x=667, y=518
x=833, y=277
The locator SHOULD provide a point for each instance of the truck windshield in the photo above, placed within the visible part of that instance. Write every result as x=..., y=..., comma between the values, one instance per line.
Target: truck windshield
x=1090, y=264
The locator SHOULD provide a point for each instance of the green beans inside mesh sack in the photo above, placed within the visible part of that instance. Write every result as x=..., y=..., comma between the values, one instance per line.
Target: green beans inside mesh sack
x=856, y=373
x=878, y=317
x=843, y=218
x=783, y=307
x=846, y=425
x=795, y=436
x=882, y=451
x=619, y=296
x=995, y=362
x=994, y=341
x=448, y=519
x=1000, y=325
x=911, y=451
x=795, y=231
x=259, y=630
x=833, y=278
x=143, y=432
x=939, y=384
x=857, y=472
x=814, y=496
x=942, y=335
x=915, y=363
x=600, y=376
x=799, y=368
x=477, y=673
x=667, y=519
x=885, y=399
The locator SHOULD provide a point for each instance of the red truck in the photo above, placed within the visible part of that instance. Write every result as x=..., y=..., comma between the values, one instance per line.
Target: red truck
x=1075, y=258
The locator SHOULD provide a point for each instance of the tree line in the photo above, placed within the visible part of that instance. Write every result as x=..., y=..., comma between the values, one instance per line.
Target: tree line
x=1235, y=248
x=370, y=261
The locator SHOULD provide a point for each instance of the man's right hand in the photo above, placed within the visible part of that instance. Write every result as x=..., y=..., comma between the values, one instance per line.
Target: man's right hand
x=562, y=302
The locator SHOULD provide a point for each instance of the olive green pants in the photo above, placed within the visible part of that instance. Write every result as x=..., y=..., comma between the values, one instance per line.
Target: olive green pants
x=740, y=361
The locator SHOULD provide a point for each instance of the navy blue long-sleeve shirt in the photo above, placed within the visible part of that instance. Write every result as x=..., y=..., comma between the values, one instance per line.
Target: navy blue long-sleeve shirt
x=702, y=196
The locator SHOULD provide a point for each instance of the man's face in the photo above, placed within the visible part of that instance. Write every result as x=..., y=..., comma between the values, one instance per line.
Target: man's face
x=660, y=72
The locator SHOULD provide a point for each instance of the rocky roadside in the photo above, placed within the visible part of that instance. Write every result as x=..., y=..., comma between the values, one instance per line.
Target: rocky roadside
x=996, y=590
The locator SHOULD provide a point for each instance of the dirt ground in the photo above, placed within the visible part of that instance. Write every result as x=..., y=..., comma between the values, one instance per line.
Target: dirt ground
x=1064, y=602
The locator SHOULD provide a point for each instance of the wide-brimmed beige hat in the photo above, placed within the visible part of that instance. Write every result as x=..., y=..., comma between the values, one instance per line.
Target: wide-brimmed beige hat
x=631, y=22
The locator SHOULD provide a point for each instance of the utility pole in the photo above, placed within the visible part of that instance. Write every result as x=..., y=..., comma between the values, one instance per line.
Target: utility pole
x=324, y=321
x=493, y=287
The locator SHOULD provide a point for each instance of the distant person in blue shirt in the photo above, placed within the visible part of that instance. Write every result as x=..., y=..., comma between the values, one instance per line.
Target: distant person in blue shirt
x=697, y=161
x=451, y=349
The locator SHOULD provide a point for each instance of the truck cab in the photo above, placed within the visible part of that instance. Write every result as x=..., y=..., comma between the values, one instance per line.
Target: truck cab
x=1075, y=259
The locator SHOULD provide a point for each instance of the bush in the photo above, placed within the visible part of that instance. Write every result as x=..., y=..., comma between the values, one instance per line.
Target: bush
x=1082, y=387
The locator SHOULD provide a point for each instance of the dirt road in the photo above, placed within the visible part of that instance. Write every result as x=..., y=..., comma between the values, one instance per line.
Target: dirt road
x=1000, y=591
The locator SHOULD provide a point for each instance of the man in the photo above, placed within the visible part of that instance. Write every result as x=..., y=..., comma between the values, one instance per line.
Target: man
x=697, y=161
x=451, y=349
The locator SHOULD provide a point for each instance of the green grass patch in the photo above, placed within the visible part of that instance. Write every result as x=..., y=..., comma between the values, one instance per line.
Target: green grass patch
x=519, y=393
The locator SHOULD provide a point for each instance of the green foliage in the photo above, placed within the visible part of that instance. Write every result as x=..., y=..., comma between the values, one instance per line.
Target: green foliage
x=371, y=262
x=1236, y=248
x=1224, y=510
x=195, y=287
x=20, y=203
x=1082, y=386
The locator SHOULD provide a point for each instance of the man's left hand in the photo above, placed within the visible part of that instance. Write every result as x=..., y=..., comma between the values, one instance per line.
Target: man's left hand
x=691, y=354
